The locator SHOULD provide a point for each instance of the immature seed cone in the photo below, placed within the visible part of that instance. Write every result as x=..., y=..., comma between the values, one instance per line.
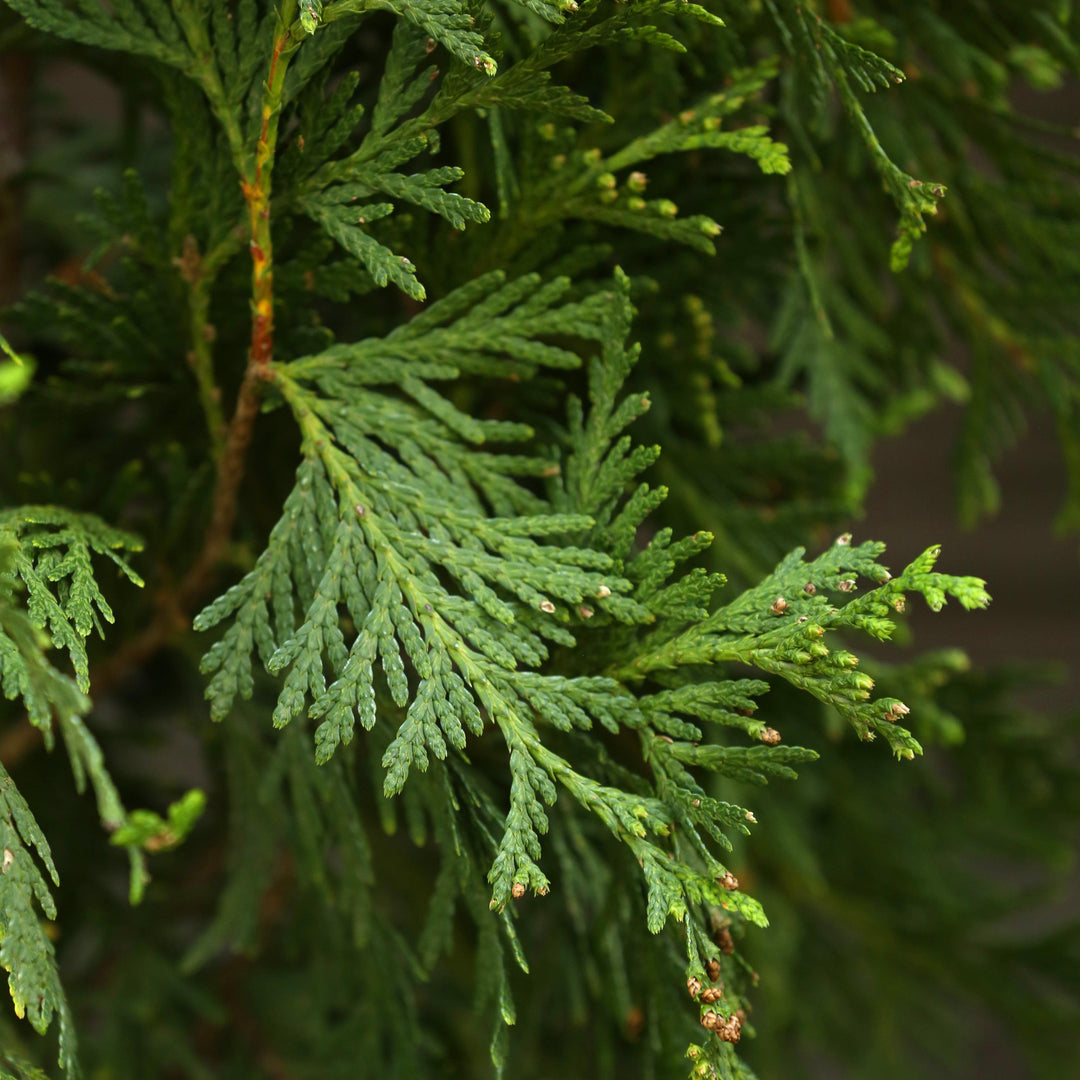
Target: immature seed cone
x=770, y=736
x=779, y=606
x=517, y=891
x=729, y=881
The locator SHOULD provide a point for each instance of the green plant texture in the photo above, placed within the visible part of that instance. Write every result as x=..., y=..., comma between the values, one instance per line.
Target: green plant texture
x=401, y=506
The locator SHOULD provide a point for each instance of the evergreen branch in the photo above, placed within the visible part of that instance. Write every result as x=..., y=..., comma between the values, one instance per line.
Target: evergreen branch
x=701, y=127
x=584, y=185
x=832, y=61
x=52, y=559
x=364, y=529
x=206, y=65
x=126, y=28
x=914, y=198
x=256, y=187
x=26, y=952
x=59, y=543
x=380, y=262
x=779, y=627
x=392, y=515
x=448, y=22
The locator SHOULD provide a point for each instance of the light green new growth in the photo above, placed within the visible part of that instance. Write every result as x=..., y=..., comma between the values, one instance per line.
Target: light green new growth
x=53, y=563
x=15, y=373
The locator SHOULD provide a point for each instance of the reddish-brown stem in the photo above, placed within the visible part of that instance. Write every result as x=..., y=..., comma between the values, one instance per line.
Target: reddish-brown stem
x=257, y=193
x=175, y=605
x=840, y=11
x=226, y=493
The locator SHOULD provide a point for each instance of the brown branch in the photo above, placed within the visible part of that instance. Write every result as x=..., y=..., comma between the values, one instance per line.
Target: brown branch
x=840, y=11
x=175, y=606
x=226, y=493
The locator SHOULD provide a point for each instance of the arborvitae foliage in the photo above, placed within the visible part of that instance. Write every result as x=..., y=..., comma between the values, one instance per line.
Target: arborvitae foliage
x=359, y=362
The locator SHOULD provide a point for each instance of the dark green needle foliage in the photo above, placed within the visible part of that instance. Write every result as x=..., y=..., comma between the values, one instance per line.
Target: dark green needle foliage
x=401, y=351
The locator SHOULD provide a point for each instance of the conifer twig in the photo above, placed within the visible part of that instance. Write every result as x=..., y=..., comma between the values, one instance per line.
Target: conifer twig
x=257, y=193
x=238, y=438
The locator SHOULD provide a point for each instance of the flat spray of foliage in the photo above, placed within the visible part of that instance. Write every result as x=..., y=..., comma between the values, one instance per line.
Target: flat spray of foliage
x=453, y=592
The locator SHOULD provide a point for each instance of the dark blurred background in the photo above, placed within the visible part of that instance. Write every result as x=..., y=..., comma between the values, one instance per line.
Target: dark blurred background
x=1033, y=571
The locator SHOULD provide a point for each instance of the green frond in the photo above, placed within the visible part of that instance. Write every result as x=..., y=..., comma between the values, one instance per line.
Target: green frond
x=26, y=952
x=53, y=563
x=389, y=498
x=779, y=626
x=149, y=29
x=449, y=22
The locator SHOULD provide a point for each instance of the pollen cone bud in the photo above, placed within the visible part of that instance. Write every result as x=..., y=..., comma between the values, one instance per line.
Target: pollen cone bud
x=730, y=1030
